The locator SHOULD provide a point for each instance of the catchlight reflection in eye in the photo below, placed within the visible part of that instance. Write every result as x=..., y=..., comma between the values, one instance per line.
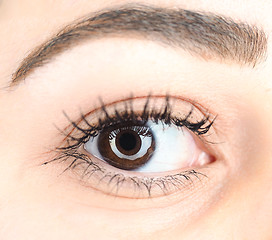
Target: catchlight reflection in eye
x=153, y=147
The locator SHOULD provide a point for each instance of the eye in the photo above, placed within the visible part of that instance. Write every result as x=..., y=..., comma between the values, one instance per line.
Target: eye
x=139, y=147
x=153, y=147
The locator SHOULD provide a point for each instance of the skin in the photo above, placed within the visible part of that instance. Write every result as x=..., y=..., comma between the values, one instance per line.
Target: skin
x=36, y=202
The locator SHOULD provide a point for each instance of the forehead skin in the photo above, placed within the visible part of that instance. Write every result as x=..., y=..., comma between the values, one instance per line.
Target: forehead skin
x=27, y=23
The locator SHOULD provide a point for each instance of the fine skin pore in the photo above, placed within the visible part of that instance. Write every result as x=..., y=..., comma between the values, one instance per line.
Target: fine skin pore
x=40, y=81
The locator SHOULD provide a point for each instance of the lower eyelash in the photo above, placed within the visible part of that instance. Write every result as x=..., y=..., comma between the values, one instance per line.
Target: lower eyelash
x=114, y=181
x=74, y=141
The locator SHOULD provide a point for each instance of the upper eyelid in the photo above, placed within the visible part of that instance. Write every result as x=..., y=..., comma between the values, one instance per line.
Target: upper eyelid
x=203, y=125
x=195, y=32
x=197, y=105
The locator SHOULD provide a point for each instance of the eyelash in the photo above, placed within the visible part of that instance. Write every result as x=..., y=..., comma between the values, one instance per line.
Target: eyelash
x=73, y=142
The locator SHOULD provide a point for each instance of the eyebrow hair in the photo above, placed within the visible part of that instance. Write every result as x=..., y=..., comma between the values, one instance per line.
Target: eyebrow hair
x=198, y=33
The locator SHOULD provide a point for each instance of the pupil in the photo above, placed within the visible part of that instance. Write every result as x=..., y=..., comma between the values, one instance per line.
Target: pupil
x=127, y=141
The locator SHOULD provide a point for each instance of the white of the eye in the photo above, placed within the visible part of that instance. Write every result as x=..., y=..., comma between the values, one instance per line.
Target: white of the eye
x=146, y=143
x=91, y=147
x=175, y=149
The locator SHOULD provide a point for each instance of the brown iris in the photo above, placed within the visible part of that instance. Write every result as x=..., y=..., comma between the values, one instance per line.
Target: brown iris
x=126, y=147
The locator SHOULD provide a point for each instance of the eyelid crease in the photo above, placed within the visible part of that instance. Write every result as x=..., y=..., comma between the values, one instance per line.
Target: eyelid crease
x=199, y=106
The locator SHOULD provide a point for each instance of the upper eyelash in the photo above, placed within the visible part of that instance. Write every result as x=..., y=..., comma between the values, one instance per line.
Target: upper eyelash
x=165, y=115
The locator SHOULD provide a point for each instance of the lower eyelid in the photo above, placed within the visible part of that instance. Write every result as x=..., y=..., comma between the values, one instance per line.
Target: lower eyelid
x=194, y=196
x=134, y=185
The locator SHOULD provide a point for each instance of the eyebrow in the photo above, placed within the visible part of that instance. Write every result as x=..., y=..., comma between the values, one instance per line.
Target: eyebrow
x=203, y=34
